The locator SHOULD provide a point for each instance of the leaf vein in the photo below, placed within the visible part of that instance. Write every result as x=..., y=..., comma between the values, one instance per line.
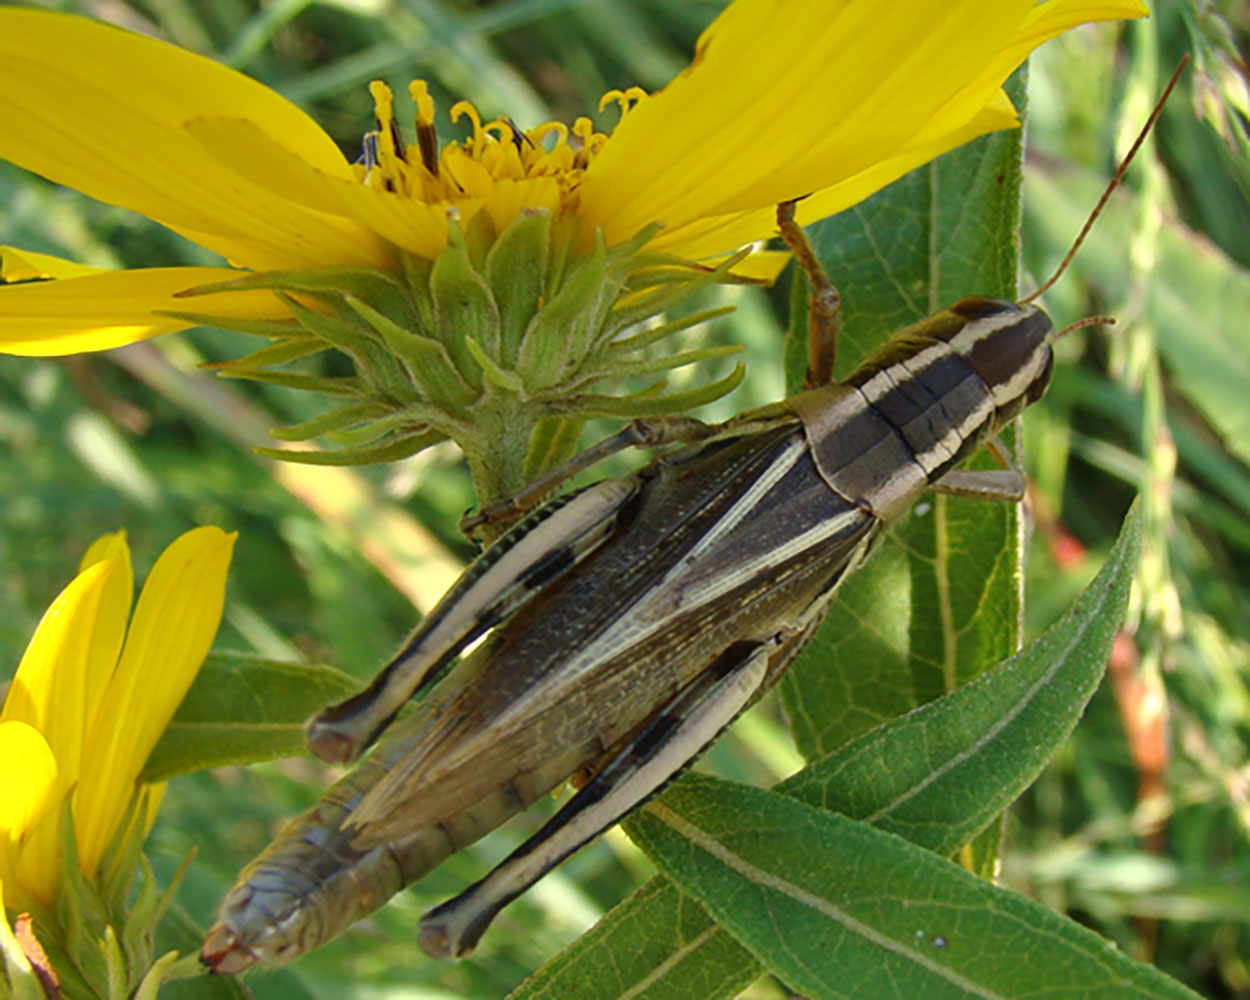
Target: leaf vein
x=706, y=842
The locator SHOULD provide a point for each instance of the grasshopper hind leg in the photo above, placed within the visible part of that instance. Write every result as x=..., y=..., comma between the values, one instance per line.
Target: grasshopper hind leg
x=635, y=771
x=501, y=581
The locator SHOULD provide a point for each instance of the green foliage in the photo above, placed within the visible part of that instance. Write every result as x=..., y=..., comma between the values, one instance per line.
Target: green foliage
x=1150, y=851
x=839, y=910
x=935, y=777
x=242, y=709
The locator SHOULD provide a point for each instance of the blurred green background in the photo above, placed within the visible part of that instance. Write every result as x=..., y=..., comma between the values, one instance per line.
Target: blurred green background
x=1140, y=829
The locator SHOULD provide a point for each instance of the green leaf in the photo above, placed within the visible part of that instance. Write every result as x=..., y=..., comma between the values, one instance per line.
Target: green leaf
x=941, y=774
x=243, y=709
x=657, y=945
x=935, y=777
x=940, y=602
x=638, y=404
x=516, y=270
x=839, y=909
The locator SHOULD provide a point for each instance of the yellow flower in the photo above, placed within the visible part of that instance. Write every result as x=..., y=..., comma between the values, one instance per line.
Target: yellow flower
x=784, y=98
x=91, y=698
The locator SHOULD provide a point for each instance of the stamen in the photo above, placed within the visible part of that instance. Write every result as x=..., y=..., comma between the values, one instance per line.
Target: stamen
x=549, y=159
x=384, y=116
x=625, y=98
x=369, y=152
x=540, y=132
x=497, y=153
x=503, y=157
x=467, y=108
x=389, y=158
x=519, y=138
x=420, y=94
x=584, y=130
x=397, y=141
x=427, y=134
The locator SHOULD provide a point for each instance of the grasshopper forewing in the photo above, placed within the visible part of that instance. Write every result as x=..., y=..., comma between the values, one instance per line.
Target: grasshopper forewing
x=629, y=623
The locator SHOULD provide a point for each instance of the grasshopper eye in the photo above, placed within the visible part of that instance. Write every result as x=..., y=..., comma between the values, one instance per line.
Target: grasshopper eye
x=1039, y=385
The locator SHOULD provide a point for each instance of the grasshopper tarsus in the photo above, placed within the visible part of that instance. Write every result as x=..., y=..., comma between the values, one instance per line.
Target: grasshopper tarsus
x=329, y=746
x=824, y=304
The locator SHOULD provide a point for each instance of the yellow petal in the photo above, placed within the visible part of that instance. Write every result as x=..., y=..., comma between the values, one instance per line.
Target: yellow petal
x=150, y=805
x=828, y=90
x=245, y=147
x=410, y=223
x=102, y=110
x=708, y=237
x=111, y=308
x=416, y=226
x=59, y=682
x=109, y=628
x=26, y=265
x=996, y=116
x=174, y=623
x=29, y=779
x=763, y=265
x=104, y=548
x=509, y=197
x=28, y=796
x=1044, y=22
x=50, y=688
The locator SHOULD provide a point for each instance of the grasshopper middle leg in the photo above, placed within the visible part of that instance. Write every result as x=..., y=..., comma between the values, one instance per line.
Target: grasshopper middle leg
x=640, y=433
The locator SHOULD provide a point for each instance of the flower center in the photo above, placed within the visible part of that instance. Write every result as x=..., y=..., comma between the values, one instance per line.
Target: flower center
x=501, y=166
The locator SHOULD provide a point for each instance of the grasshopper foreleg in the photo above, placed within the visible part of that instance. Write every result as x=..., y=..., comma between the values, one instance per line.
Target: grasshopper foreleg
x=824, y=304
x=634, y=772
x=534, y=554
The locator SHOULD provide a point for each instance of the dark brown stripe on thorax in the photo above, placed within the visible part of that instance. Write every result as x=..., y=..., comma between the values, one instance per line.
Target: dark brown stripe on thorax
x=932, y=398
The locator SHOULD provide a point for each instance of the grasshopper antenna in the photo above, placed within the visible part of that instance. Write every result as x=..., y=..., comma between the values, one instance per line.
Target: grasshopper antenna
x=1113, y=184
x=1081, y=324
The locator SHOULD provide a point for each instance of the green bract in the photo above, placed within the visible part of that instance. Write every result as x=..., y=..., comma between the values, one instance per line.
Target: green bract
x=482, y=345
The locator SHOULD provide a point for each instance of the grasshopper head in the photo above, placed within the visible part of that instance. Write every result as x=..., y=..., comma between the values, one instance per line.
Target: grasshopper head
x=1008, y=345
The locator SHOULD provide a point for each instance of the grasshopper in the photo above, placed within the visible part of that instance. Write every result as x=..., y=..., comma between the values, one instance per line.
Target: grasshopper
x=628, y=623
